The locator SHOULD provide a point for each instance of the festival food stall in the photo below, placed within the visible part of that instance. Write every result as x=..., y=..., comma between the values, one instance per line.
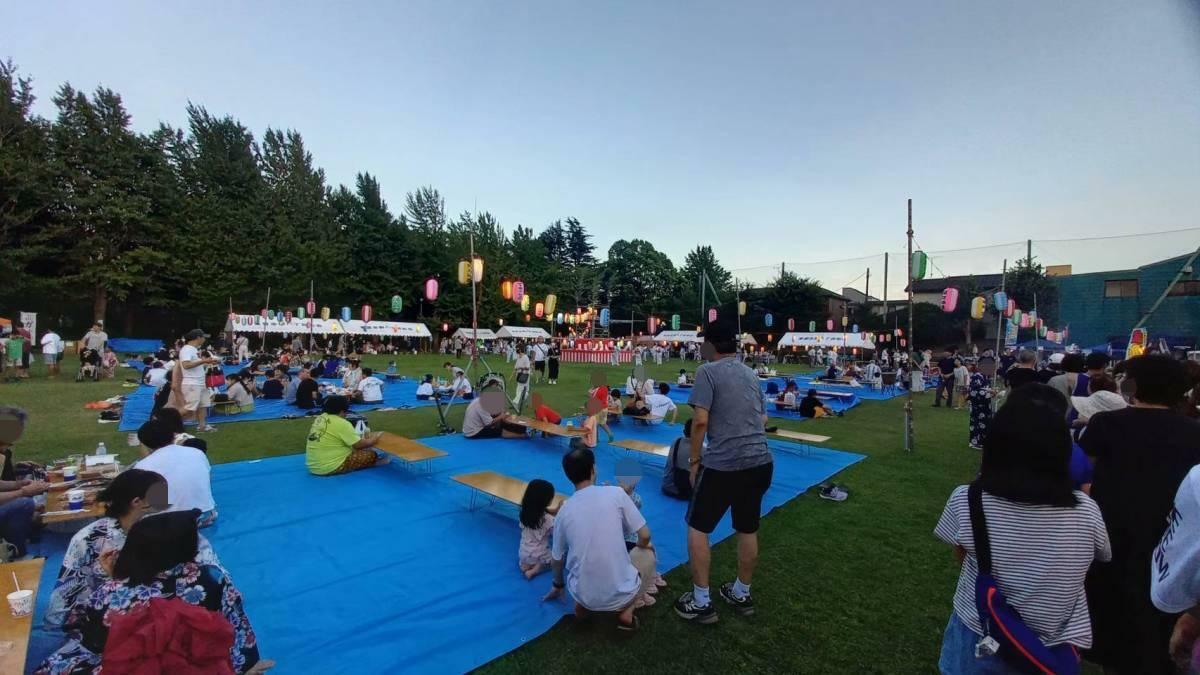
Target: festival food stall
x=596, y=350
x=399, y=329
x=257, y=323
x=467, y=333
x=523, y=333
x=839, y=341
x=675, y=337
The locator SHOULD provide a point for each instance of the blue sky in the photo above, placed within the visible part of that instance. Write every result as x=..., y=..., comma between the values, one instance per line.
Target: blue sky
x=788, y=131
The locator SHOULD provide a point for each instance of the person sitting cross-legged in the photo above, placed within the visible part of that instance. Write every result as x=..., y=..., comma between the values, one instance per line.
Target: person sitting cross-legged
x=811, y=406
x=334, y=446
x=588, y=552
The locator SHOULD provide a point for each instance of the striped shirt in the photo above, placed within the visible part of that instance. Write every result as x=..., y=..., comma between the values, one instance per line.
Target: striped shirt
x=1040, y=556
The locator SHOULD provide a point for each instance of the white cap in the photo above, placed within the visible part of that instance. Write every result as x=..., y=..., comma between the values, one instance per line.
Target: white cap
x=1098, y=402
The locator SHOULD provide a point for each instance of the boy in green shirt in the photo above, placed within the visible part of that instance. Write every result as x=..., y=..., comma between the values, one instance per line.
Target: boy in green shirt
x=333, y=445
x=14, y=350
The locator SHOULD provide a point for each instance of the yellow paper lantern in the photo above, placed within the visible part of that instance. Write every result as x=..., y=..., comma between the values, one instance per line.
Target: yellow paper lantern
x=477, y=269
x=551, y=303
x=506, y=289
x=741, y=308
x=464, y=271
x=524, y=303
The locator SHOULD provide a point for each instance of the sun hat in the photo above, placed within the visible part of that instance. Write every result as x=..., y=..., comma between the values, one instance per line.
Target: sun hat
x=1101, y=401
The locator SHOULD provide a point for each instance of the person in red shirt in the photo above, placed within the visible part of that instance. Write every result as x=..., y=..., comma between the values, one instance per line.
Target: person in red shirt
x=543, y=412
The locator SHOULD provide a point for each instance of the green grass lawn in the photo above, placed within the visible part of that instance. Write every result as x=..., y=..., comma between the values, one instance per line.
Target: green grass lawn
x=858, y=586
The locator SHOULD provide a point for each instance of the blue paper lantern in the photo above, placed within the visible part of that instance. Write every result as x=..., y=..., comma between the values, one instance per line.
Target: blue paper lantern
x=768, y=320
x=1000, y=301
x=604, y=314
x=345, y=314
x=854, y=328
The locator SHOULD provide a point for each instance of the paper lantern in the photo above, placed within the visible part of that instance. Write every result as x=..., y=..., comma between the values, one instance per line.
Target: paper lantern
x=768, y=320
x=300, y=312
x=560, y=318
x=791, y=324
x=812, y=326
x=445, y=328
x=1042, y=331
x=769, y=339
x=264, y=313
x=324, y=313
x=518, y=291
x=551, y=303
x=1010, y=307
x=949, y=300
x=1000, y=301
x=477, y=269
x=1017, y=317
x=345, y=314
x=854, y=328
x=287, y=316
x=741, y=308
x=674, y=322
x=539, y=310
x=431, y=289
x=978, y=307
x=311, y=308
x=367, y=312
x=899, y=332
x=397, y=304
x=920, y=264
x=903, y=343
x=1025, y=322
x=712, y=314
x=829, y=324
x=845, y=321
x=524, y=303
x=603, y=317
x=1033, y=315
x=464, y=271
x=506, y=289
x=501, y=323
x=651, y=322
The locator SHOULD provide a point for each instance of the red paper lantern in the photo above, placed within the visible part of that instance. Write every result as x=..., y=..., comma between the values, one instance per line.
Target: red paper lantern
x=791, y=324
x=311, y=308
x=287, y=316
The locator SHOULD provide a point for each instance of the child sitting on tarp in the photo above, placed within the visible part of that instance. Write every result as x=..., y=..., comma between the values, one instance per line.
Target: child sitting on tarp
x=677, y=480
x=543, y=412
x=425, y=389
x=683, y=380
x=537, y=523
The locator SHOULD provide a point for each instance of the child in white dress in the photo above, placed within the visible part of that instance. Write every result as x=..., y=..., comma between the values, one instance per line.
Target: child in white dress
x=537, y=522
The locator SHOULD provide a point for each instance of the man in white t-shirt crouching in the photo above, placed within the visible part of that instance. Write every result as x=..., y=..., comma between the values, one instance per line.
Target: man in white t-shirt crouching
x=589, y=544
x=189, y=395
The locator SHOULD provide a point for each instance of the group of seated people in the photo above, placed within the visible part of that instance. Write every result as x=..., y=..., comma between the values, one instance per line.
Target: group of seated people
x=809, y=406
x=143, y=568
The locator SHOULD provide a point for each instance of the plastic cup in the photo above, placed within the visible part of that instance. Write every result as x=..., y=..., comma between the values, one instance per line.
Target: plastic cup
x=70, y=472
x=75, y=500
x=20, y=603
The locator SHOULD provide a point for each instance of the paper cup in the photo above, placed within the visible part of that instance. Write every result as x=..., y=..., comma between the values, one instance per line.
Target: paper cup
x=75, y=500
x=70, y=472
x=20, y=603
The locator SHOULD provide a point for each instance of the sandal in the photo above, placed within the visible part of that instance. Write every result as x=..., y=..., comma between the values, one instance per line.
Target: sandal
x=629, y=627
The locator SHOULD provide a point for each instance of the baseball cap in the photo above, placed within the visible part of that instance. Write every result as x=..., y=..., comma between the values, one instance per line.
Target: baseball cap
x=194, y=333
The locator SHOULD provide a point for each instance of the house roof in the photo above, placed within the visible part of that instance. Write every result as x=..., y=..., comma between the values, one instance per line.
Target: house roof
x=982, y=282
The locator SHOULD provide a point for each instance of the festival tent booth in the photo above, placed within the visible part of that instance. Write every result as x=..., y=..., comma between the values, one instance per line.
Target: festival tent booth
x=595, y=350
x=748, y=339
x=399, y=329
x=679, y=336
x=822, y=340
x=475, y=333
x=256, y=323
x=522, y=333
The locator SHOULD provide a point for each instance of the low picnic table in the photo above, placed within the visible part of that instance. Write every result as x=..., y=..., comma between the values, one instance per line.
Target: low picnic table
x=408, y=451
x=548, y=428
x=498, y=486
x=643, y=447
x=14, y=631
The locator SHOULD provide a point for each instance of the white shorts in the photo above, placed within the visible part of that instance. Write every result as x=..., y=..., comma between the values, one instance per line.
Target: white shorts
x=195, y=396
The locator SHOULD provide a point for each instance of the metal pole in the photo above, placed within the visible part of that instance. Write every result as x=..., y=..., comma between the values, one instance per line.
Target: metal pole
x=1037, y=334
x=867, y=299
x=907, y=408
x=474, y=303
x=700, y=280
x=885, y=283
x=1000, y=312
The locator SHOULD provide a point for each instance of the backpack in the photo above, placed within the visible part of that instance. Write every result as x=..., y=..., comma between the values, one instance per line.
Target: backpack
x=1018, y=645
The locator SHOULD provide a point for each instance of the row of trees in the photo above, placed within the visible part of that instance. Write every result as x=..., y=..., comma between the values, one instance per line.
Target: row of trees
x=158, y=231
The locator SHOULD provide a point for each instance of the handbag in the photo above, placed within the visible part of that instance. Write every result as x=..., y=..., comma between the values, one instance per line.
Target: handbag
x=1017, y=644
x=214, y=378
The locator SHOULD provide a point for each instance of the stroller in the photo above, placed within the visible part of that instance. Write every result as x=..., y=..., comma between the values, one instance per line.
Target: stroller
x=89, y=366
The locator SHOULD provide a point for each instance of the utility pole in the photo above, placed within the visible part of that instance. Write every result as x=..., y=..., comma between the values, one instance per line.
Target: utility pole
x=885, y=282
x=1000, y=311
x=1028, y=253
x=867, y=294
x=908, y=406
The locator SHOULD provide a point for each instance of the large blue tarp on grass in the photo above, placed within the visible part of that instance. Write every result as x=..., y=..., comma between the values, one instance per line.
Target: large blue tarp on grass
x=396, y=394
x=135, y=345
x=387, y=570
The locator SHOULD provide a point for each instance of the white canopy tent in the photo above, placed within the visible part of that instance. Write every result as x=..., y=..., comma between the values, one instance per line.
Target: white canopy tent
x=748, y=339
x=255, y=323
x=472, y=334
x=679, y=336
x=386, y=329
x=522, y=332
x=839, y=340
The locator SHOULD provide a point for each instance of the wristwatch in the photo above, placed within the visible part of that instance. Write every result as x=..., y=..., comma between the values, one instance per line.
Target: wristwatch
x=693, y=460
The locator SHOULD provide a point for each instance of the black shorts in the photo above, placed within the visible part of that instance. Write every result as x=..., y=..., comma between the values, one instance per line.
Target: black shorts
x=539, y=366
x=498, y=431
x=719, y=491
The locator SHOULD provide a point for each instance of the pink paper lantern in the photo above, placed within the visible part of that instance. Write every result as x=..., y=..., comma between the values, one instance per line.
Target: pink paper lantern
x=518, y=291
x=791, y=324
x=311, y=308
x=366, y=313
x=712, y=314
x=1012, y=307
x=431, y=289
x=949, y=300
x=829, y=324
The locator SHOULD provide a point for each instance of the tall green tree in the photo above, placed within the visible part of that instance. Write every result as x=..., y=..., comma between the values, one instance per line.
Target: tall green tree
x=579, y=245
x=639, y=278
x=698, y=260
x=554, y=238
x=791, y=296
x=26, y=193
x=1027, y=281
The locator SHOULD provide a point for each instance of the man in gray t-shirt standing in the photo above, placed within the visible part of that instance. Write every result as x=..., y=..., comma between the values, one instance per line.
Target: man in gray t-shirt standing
x=733, y=473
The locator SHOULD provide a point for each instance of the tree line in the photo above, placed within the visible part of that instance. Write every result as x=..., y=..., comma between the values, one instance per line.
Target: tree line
x=157, y=232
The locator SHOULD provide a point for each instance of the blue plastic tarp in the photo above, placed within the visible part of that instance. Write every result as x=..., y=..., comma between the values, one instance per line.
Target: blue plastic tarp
x=135, y=345
x=387, y=570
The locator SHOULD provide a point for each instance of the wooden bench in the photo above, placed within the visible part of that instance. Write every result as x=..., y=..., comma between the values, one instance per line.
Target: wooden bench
x=498, y=486
x=548, y=428
x=14, y=631
x=645, y=419
x=643, y=447
x=408, y=451
x=800, y=436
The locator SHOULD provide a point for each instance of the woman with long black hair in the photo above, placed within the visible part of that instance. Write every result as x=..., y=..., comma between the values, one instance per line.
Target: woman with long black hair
x=1044, y=535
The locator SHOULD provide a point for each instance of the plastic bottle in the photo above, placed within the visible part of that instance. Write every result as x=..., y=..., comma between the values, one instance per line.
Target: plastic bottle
x=101, y=450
